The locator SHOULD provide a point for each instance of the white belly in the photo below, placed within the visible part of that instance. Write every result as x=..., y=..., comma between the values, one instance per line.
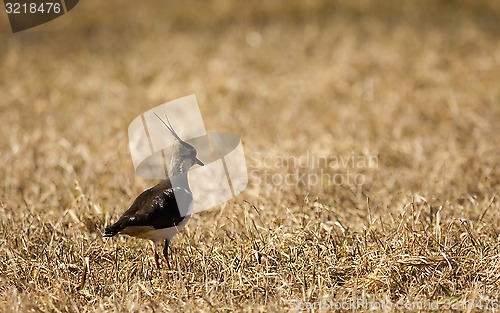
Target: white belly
x=156, y=235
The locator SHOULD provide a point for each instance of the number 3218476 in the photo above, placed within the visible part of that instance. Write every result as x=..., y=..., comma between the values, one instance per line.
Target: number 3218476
x=26, y=8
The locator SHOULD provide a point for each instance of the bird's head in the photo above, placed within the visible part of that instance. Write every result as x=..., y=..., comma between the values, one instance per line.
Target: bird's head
x=184, y=155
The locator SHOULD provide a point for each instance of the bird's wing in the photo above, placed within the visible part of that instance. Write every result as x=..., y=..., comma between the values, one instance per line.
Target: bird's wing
x=156, y=207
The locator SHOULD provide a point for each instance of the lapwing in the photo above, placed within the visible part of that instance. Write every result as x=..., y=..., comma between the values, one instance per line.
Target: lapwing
x=155, y=214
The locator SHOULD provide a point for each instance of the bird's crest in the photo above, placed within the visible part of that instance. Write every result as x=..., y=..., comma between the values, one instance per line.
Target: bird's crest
x=171, y=129
x=190, y=148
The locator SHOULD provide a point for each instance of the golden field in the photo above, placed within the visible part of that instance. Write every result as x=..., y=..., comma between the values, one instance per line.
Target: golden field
x=413, y=85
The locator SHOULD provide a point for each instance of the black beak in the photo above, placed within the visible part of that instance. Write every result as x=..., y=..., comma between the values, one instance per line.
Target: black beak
x=197, y=161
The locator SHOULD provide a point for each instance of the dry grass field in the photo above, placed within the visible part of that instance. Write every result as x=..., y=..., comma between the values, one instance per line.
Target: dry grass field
x=412, y=85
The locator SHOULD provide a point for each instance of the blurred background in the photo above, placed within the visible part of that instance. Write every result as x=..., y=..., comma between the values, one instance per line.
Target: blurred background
x=412, y=82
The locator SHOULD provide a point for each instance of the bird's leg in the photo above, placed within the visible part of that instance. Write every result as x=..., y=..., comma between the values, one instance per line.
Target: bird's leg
x=155, y=255
x=165, y=252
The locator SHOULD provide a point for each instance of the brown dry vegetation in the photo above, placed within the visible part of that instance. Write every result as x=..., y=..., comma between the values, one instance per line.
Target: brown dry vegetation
x=414, y=83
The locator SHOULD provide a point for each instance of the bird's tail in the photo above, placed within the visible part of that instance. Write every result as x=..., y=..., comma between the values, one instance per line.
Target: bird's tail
x=111, y=231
